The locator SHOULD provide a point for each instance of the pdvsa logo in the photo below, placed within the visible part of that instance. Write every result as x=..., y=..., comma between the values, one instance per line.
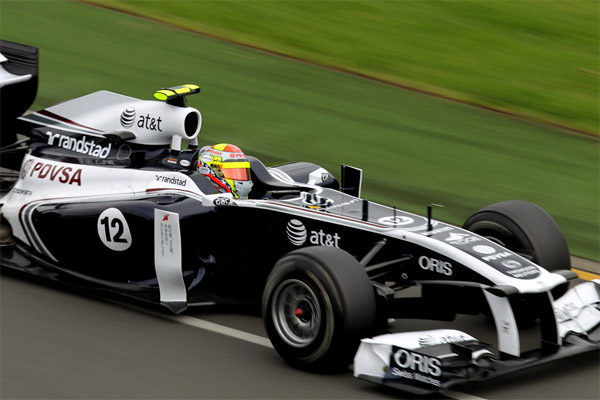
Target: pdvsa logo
x=297, y=235
x=54, y=173
x=128, y=117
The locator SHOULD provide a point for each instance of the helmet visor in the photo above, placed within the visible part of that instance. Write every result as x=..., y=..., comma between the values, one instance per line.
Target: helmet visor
x=238, y=171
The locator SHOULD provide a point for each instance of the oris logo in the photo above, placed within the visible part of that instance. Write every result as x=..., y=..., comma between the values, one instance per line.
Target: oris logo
x=418, y=362
x=431, y=264
x=296, y=232
x=128, y=117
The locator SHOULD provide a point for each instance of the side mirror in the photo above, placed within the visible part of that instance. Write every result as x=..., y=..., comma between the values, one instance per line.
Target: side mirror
x=351, y=180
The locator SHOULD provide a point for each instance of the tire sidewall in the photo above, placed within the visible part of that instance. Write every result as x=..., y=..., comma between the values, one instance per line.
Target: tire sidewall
x=340, y=328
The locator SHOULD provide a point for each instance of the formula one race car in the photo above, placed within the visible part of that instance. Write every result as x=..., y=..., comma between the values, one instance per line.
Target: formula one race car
x=110, y=196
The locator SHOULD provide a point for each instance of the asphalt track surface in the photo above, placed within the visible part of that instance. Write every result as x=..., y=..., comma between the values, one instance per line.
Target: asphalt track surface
x=58, y=343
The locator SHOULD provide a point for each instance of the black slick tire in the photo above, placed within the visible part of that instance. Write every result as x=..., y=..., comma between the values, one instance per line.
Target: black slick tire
x=317, y=304
x=524, y=228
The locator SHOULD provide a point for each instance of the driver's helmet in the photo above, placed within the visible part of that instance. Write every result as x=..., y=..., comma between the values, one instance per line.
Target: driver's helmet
x=227, y=167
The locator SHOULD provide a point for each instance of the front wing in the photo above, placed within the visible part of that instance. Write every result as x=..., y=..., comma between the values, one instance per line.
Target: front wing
x=431, y=361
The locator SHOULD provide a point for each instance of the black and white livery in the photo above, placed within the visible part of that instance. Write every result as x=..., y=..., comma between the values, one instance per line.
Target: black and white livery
x=108, y=196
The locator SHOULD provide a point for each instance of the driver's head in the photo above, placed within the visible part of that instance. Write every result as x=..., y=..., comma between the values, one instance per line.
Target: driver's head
x=230, y=169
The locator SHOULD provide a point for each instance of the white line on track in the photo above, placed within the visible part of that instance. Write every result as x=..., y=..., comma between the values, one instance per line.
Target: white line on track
x=221, y=329
x=263, y=341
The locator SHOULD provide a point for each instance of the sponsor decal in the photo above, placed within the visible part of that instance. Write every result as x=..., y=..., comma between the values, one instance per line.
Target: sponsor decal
x=415, y=366
x=172, y=160
x=213, y=151
x=236, y=155
x=298, y=234
x=207, y=159
x=167, y=257
x=149, y=122
x=396, y=221
x=346, y=203
x=171, y=179
x=26, y=167
x=81, y=145
x=113, y=230
x=461, y=238
x=23, y=192
x=432, y=264
x=439, y=230
x=497, y=256
x=324, y=239
x=204, y=170
x=53, y=173
x=527, y=272
x=324, y=176
x=221, y=201
x=483, y=249
x=511, y=264
x=428, y=340
x=128, y=117
x=184, y=163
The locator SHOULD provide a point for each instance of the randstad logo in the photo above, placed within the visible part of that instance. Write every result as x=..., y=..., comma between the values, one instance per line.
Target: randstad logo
x=128, y=117
x=297, y=234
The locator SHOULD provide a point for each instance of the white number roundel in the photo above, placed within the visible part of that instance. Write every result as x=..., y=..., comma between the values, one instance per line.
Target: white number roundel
x=113, y=230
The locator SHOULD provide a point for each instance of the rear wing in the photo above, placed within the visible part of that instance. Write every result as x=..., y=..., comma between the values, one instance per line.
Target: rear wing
x=18, y=88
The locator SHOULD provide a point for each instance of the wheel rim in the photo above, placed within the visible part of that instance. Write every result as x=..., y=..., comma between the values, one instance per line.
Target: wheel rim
x=296, y=313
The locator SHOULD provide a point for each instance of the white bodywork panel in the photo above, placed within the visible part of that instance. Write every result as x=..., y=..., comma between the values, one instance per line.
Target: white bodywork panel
x=167, y=257
x=577, y=311
x=506, y=325
x=373, y=355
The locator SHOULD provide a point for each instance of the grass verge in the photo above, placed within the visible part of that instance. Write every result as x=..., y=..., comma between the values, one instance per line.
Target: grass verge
x=537, y=59
x=414, y=149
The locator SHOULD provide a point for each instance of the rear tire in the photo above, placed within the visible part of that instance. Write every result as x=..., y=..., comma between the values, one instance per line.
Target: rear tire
x=317, y=304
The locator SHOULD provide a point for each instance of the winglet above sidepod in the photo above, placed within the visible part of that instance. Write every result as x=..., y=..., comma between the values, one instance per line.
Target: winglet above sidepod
x=175, y=95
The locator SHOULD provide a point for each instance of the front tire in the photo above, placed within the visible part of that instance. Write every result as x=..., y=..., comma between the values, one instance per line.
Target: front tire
x=317, y=304
x=524, y=228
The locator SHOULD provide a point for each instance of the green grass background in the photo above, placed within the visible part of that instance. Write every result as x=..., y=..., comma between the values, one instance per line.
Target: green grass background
x=414, y=149
x=537, y=58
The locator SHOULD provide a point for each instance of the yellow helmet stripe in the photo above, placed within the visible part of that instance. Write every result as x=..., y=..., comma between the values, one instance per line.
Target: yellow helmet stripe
x=220, y=146
x=239, y=164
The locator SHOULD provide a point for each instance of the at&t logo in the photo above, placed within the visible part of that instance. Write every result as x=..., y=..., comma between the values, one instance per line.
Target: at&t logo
x=296, y=232
x=128, y=117
x=297, y=235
